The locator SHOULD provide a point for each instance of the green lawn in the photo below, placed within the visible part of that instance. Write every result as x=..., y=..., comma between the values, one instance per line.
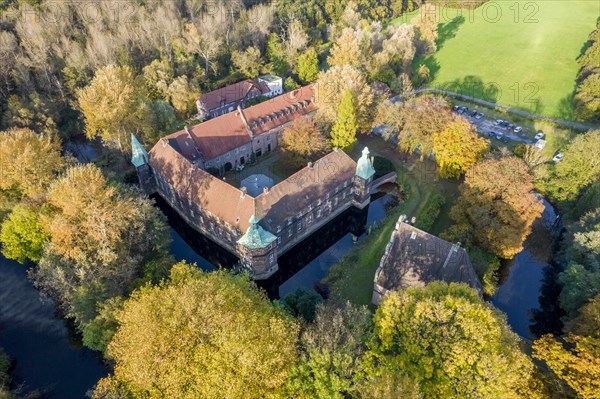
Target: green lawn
x=525, y=60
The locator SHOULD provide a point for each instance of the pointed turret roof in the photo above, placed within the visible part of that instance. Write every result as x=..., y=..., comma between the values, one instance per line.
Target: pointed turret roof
x=364, y=166
x=256, y=237
x=139, y=156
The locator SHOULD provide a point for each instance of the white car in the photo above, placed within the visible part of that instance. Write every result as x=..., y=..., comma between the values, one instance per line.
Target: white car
x=539, y=135
x=518, y=129
x=558, y=157
x=498, y=121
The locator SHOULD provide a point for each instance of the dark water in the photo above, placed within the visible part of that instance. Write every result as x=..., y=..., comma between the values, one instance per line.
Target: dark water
x=521, y=278
x=48, y=358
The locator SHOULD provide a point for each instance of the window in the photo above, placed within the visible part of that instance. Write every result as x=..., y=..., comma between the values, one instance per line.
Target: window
x=299, y=226
x=319, y=202
x=345, y=184
x=278, y=240
x=271, y=258
x=289, y=232
x=310, y=207
x=268, y=138
x=186, y=143
x=310, y=218
x=278, y=229
x=192, y=213
x=335, y=201
x=344, y=195
x=327, y=196
x=318, y=213
x=289, y=221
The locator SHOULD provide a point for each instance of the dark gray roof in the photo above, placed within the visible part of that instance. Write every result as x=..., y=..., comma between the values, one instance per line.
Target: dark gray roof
x=414, y=258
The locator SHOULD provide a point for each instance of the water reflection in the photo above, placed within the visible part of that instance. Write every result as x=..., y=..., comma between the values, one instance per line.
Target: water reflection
x=521, y=278
x=47, y=358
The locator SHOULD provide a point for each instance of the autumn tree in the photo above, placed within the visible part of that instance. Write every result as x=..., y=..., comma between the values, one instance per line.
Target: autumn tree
x=346, y=50
x=427, y=26
x=450, y=341
x=416, y=121
x=308, y=66
x=248, y=62
x=100, y=236
x=302, y=142
x=330, y=353
x=332, y=86
x=457, y=148
x=574, y=359
x=201, y=335
x=158, y=76
x=29, y=162
x=497, y=207
x=183, y=94
x=205, y=37
x=112, y=106
x=579, y=168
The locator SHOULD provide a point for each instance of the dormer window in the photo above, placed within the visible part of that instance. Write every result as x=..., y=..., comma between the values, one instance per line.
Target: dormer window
x=287, y=111
x=274, y=115
x=261, y=122
x=268, y=118
x=293, y=108
x=254, y=125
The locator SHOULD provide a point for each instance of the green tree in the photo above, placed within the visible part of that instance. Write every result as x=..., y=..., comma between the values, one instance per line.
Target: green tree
x=22, y=235
x=158, y=76
x=98, y=333
x=457, y=148
x=201, y=335
x=451, y=342
x=330, y=353
x=308, y=66
x=112, y=105
x=302, y=142
x=248, y=62
x=587, y=98
x=579, y=168
x=496, y=206
x=332, y=86
x=302, y=303
x=183, y=94
x=343, y=132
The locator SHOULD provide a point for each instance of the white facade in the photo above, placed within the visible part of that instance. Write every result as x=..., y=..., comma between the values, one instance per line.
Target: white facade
x=274, y=83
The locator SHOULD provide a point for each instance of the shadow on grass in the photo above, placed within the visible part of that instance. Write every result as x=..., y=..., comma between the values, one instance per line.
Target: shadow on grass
x=473, y=86
x=448, y=30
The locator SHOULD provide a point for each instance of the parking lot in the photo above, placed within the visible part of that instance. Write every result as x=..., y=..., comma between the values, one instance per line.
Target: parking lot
x=489, y=128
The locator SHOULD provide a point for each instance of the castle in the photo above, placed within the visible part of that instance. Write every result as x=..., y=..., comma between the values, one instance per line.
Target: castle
x=257, y=229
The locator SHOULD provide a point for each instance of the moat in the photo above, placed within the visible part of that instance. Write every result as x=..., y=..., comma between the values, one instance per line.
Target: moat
x=49, y=357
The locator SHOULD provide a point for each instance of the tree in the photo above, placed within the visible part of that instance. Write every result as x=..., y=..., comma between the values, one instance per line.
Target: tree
x=308, y=66
x=450, y=341
x=587, y=98
x=343, y=133
x=99, y=235
x=330, y=353
x=331, y=87
x=22, y=235
x=112, y=106
x=183, y=95
x=579, y=168
x=158, y=75
x=427, y=25
x=201, y=335
x=416, y=121
x=346, y=50
x=580, y=279
x=205, y=38
x=29, y=162
x=302, y=142
x=576, y=361
x=496, y=206
x=248, y=62
x=302, y=303
x=457, y=148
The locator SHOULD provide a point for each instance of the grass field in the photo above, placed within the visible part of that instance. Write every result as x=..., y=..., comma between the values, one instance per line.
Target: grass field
x=521, y=54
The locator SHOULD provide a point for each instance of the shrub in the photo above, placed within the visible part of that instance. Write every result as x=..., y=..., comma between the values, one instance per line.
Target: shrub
x=430, y=212
x=382, y=166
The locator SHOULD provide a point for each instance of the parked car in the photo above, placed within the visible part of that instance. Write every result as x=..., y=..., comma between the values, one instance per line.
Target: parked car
x=558, y=157
x=499, y=135
x=455, y=108
x=504, y=124
x=498, y=122
x=491, y=133
x=539, y=135
x=462, y=110
x=510, y=126
x=479, y=116
x=473, y=113
x=506, y=139
x=518, y=129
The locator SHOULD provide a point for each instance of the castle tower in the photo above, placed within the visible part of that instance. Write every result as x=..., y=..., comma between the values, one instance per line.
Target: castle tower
x=257, y=250
x=139, y=159
x=363, y=180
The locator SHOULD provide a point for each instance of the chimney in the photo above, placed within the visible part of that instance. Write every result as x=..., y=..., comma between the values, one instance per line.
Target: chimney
x=413, y=220
x=266, y=190
x=243, y=192
x=310, y=165
x=164, y=142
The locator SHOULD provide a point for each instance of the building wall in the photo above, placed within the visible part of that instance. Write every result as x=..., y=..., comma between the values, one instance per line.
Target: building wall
x=232, y=106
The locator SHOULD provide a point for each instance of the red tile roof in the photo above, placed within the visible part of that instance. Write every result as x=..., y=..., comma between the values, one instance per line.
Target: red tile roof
x=227, y=132
x=228, y=94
